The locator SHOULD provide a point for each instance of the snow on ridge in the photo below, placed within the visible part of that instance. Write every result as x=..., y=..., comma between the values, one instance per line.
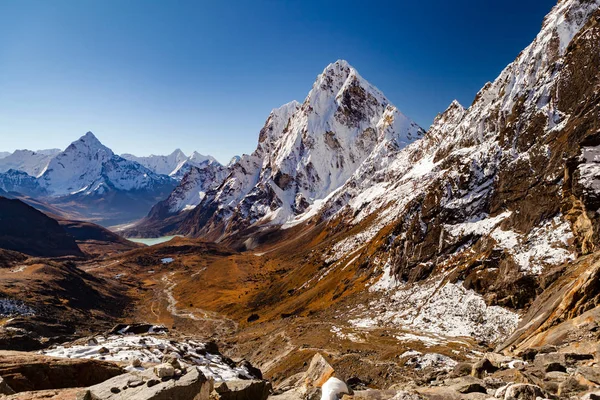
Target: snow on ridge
x=151, y=348
x=546, y=244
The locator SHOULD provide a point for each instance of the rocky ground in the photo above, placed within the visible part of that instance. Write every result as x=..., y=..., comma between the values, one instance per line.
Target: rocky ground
x=204, y=294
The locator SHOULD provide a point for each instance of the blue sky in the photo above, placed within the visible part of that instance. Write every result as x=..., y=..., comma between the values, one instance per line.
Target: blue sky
x=150, y=76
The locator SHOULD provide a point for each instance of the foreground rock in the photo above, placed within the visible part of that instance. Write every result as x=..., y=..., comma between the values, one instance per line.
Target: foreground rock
x=318, y=381
x=145, y=385
x=242, y=390
x=30, y=371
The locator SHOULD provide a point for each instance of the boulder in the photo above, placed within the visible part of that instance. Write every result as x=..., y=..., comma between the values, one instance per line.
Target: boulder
x=191, y=386
x=557, y=376
x=319, y=371
x=30, y=371
x=462, y=369
x=136, y=362
x=164, y=370
x=471, y=387
x=483, y=367
x=589, y=373
x=520, y=391
x=242, y=390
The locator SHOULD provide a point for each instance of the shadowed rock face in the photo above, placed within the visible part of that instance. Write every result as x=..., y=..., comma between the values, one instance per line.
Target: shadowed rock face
x=28, y=371
x=24, y=229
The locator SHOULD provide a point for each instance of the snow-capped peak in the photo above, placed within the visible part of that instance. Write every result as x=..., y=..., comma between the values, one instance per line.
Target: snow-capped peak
x=87, y=166
x=89, y=145
x=307, y=151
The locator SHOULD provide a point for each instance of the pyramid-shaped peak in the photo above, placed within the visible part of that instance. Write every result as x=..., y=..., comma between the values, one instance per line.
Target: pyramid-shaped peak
x=455, y=104
x=89, y=135
x=88, y=143
x=178, y=152
x=339, y=65
x=90, y=140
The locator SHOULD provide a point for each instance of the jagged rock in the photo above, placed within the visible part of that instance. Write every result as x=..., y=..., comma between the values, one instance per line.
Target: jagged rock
x=462, y=369
x=319, y=371
x=242, y=390
x=191, y=386
x=482, y=367
x=164, y=370
x=255, y=372
x=5, y=387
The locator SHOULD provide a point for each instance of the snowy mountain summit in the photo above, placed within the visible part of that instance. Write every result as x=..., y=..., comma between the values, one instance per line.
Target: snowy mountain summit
x=175, y=165
x=87, y=166
x=306, y=151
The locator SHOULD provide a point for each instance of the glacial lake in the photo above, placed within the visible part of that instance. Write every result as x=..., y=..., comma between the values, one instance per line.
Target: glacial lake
x=153, y=241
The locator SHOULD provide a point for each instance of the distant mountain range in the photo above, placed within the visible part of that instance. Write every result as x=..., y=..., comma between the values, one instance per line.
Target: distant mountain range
x=89, y=179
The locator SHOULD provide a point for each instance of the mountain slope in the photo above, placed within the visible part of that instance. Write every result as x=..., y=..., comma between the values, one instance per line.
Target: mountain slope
x=491, y=198
x=26, y=230
x=31, y=162
x=18, y=181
